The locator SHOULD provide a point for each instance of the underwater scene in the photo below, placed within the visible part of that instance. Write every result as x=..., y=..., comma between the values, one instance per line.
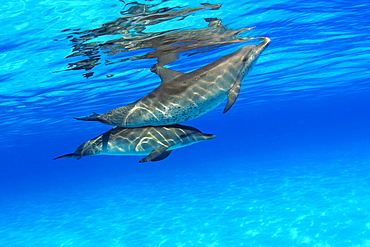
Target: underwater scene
x=167, y=123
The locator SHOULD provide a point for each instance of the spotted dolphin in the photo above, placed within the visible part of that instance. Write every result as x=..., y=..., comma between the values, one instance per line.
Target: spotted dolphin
x=184, y=96
x=156, y=142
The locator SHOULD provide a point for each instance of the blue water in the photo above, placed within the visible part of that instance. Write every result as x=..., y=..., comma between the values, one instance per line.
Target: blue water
x=290, y=164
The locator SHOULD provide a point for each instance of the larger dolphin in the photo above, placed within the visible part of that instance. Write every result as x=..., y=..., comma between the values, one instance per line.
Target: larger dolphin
x=184, y=96
x=156, y=142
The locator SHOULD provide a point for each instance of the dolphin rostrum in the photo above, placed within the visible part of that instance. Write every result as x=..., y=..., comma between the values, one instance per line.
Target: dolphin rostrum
x=156, y=142
x=184, y=96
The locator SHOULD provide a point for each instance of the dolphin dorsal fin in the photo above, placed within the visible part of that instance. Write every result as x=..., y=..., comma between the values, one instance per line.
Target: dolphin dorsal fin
x=166, y=74
x=166, y=59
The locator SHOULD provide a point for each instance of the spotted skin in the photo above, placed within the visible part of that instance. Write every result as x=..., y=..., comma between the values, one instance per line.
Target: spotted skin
x=155, y=142
x=187, y=95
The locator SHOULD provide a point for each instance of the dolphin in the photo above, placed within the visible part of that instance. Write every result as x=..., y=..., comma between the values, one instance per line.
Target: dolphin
x=184, y=96
x=156, y=142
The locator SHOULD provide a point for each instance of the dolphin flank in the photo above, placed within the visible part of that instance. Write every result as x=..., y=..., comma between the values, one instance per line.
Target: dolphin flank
x=155, y=142
x=184, y=96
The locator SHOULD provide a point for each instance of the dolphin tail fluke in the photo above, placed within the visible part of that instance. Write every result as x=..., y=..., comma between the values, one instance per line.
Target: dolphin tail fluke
x=72, y=155
x=92, y=117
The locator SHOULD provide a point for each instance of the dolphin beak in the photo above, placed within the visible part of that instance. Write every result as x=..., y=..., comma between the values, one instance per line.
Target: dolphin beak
x=261, y=47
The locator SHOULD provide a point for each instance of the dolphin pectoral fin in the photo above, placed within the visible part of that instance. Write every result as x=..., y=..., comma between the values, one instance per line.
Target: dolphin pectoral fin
x=92, y=117
x=157, y=154
x=164, y=73
x=72, y=155
x=232, y=95
x=162, y=156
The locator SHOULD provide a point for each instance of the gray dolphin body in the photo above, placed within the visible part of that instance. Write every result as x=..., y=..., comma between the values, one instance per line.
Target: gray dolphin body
x=156, y=142
x=184, y=96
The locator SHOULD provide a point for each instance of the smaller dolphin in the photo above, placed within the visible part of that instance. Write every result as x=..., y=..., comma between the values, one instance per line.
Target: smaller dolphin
x=156, y=142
